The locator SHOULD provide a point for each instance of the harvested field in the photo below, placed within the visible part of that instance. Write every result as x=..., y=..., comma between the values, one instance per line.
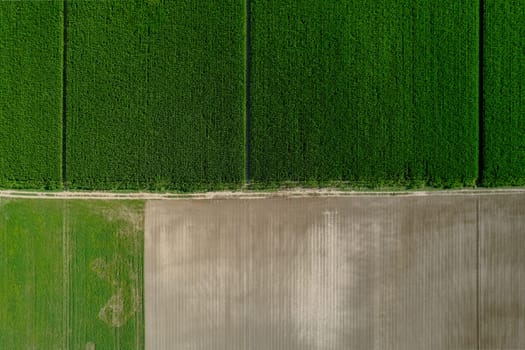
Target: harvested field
x=312, y=273
x=31, y=94
x=156, y=94
x=502, y=272
x=374, y=93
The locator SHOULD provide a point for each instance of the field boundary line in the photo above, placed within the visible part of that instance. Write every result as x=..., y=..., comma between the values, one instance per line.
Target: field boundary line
x=64, y=99
x=291, y=193
x=478, y=273
x=66, y=274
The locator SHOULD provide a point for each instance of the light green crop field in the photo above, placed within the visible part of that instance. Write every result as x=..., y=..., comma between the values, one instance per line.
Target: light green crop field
x=31, y=94
x=72, y=274
x=106, y=269
x=504, y=93
x=156, y=94
x=371, y=92
x=32, y=275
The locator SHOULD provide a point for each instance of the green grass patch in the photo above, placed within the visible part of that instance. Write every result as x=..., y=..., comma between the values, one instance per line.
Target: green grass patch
x=503, y=93
x=31, y=94
x=364, y=92
x=32, y=287
x=72, y=274
x=106, y=244
x=156, y=95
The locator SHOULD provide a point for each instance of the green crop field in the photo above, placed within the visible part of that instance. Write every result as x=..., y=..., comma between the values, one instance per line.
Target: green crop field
x=31, y=275
x=72, y=274
x=349, y=93
x=106, y=244
x=156, y=94
x=374, y=93
x=31, y=94
x=504, y=94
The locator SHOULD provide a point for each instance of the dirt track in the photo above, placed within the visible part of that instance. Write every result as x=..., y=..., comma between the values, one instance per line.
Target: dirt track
x=288, y=193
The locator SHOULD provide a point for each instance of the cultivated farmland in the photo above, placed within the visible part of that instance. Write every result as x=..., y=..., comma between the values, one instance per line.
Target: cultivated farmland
x=72, y=274
x=313, y=273
x=32, y=275
x=31, y=94
x=347, y=93
x=106, y=274
x=375, y=93
x=156, y=94
x=503, y=93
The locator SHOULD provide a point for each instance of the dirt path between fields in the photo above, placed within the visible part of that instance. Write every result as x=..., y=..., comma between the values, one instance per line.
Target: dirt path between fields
x=288, y=193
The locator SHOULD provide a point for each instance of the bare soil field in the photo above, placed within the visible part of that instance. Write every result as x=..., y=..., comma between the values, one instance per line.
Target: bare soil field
x=502, y=272
x=321, y=273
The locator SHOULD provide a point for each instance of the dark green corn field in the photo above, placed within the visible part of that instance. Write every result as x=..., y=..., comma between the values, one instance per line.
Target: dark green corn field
x=200, y=95
x=373, y=93
x=155, y=94
x=31, y=94
x=504, y=93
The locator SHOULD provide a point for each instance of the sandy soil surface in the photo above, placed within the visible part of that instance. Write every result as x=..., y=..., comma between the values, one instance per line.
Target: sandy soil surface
x=357, y=272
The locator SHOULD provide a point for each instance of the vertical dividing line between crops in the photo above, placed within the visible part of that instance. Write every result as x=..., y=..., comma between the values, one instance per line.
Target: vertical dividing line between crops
x=248, y=94
x=64, y=99
x=66, y=274
x=481, y=104
x=478, y=268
